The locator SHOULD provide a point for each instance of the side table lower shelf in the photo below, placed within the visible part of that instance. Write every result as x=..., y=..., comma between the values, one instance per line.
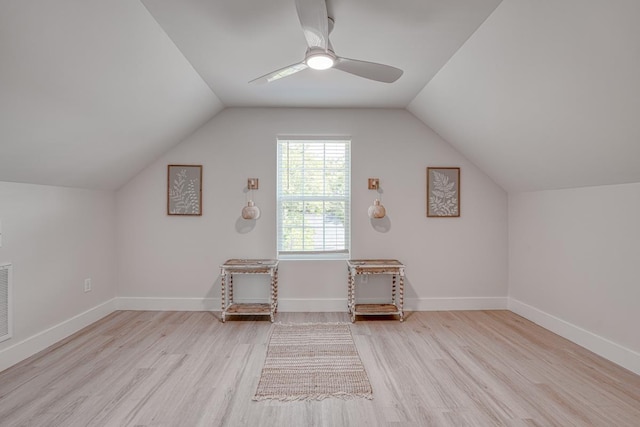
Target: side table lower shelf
x=257, y=309
x=376, y=309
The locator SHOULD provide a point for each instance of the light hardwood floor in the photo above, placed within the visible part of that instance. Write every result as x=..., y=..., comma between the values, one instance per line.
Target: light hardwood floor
x=473, y=368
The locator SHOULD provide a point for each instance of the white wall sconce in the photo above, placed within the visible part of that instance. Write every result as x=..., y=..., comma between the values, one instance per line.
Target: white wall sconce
x=377, y=210
x=251, y=211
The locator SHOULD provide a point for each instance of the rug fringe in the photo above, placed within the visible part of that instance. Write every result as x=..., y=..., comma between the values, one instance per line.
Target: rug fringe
x=310, y=323
x=288, y=398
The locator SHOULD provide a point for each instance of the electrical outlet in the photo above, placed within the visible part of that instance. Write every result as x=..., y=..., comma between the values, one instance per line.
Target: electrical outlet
x=87, y=285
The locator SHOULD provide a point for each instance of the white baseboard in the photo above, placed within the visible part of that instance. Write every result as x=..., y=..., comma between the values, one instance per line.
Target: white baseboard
x=38, y=342
x=312, y=304
x=167, y=304
x=213, y=304
x=327, y=305
x=616, y=353
x=456, y=304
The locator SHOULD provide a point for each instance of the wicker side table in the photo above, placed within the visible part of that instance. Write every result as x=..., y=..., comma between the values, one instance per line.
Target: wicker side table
x=248, y=266
x=391, y=267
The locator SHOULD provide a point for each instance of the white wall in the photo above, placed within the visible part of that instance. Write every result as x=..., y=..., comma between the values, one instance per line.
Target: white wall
x=172, y=262
x=574, y=265
x=55, y=238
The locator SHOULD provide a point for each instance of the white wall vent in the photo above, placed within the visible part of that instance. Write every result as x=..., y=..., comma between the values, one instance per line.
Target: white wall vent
x=5, y=302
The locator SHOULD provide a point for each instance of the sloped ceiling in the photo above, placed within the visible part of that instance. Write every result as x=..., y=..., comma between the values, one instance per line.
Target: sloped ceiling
x=545, y=95
x=91, y=92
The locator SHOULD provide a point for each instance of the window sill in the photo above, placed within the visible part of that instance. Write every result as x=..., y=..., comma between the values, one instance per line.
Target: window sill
x=313, y=257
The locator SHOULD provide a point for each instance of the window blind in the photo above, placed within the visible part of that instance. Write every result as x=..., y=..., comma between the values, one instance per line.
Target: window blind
x=313, y=206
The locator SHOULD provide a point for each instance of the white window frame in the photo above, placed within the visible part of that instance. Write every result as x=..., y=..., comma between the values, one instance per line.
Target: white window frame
x=313, y=254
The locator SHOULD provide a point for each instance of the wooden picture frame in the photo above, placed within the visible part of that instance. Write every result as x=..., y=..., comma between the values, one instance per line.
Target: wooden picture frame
x=184, y=190
x=443, y=192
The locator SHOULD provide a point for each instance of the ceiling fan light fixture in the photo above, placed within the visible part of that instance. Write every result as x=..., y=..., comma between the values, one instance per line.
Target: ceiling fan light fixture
x=320, y=61
x=316, y=26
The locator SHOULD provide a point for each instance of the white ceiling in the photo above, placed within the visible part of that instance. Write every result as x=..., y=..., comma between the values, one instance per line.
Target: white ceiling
x=544, y=95
x=230, y=43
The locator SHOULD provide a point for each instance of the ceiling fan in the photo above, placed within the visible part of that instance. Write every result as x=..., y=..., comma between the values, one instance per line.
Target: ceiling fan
x=316, y=26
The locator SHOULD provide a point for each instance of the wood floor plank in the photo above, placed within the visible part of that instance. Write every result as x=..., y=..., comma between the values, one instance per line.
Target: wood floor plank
x=474, y=368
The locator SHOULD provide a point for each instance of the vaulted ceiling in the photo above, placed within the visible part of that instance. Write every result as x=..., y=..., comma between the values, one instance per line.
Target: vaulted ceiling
x=545, y=95
x=540, y=95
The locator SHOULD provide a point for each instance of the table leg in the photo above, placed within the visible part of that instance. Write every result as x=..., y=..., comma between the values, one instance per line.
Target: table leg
x=273, y=298
x=353, y=298
x=349, y=276
x=275, y=283
x=393, y=290
x=230, y=288
x=223, y=296
x=401, y=307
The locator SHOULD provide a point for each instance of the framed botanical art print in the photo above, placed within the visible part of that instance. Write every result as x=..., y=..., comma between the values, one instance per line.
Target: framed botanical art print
x=184, y=190
x=443, y=192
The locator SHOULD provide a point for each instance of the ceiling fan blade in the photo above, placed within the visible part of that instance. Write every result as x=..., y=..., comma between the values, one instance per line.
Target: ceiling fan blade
x=282, y=72
x=369, y=70
x=315, y=22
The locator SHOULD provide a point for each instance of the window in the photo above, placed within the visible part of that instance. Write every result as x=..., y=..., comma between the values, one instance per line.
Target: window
x=314, y=185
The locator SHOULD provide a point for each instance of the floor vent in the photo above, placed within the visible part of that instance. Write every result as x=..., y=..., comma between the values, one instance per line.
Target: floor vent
x=5, y=302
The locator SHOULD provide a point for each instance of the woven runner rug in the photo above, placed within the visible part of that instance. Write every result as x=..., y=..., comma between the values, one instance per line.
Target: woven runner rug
x=312, y=361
